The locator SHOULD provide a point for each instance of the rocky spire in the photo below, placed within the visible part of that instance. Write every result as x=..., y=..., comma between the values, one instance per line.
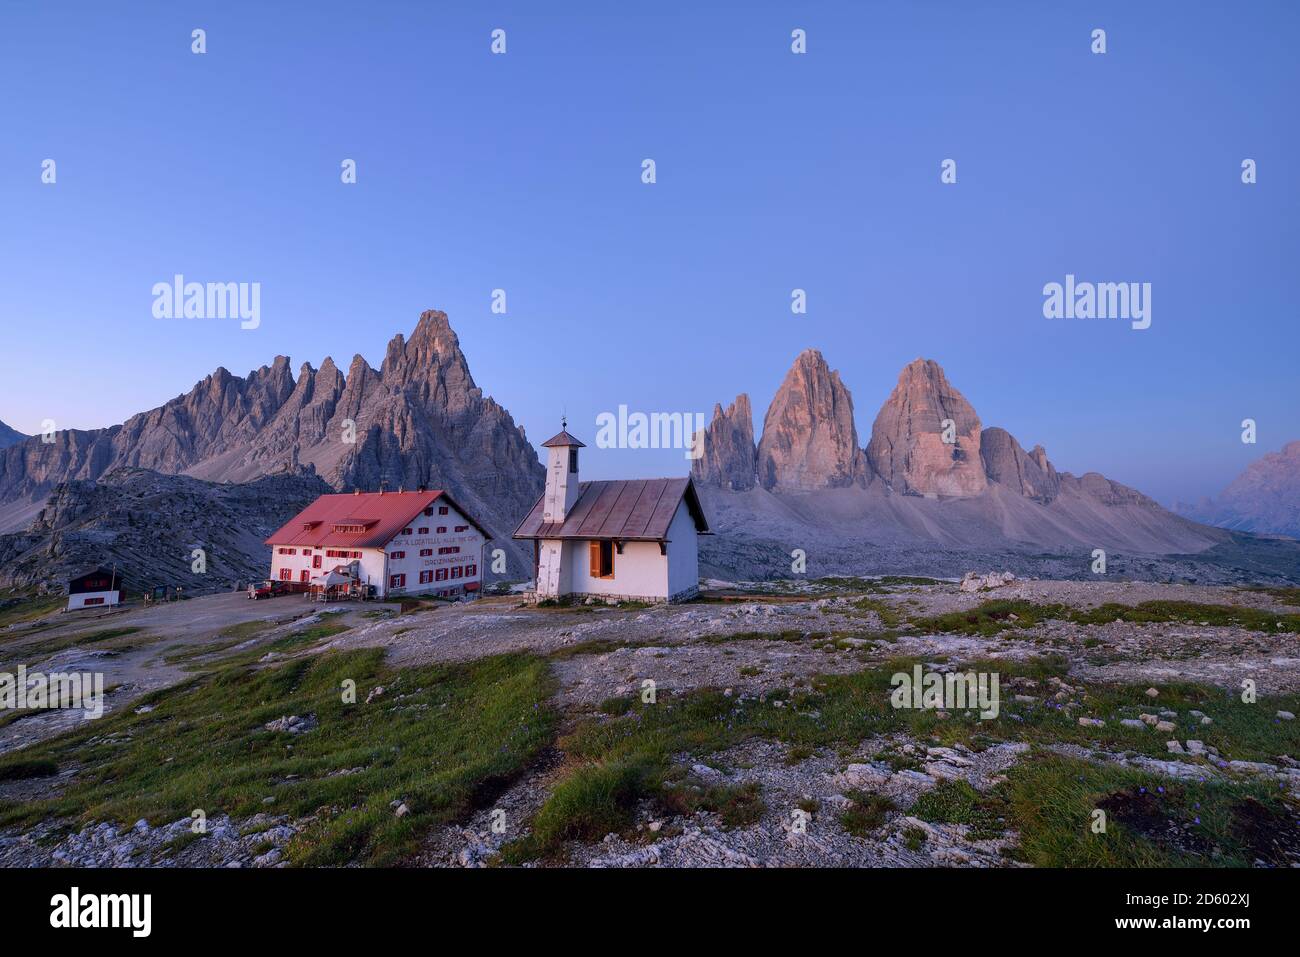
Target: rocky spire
x=728, y=455
x=1028, y=473
x=809, y=439
x=908, y=448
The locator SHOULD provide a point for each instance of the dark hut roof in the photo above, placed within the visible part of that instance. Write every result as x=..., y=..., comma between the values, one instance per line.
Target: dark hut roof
x=633, y=510
x=562, y=438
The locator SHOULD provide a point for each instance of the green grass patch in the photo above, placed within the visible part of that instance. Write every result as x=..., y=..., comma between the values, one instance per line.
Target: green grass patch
x=737, y=804
x=866, y=813
x=1240, y=731
x=914, y=839
x=956, y=802
x=992, y=617
x=102, y=635
x=1151, y=821
x=296, y=641
x=26, y=609
x=1235, y=616
x=883, y=585
x=890, y=616
x=109, y=638
x=24, y=769
x=229, y=637
x=1286, y=596
x=618, y=705
x=456, y=737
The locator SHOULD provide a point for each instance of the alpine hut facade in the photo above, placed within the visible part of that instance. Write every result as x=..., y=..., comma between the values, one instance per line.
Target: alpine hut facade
x=95, y=588
x=400, y=543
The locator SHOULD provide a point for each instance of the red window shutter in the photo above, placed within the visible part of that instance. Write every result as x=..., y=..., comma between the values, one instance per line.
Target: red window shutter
x=595, y=559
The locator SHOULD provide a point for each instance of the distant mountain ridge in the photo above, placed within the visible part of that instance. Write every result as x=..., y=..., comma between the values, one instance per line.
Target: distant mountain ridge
x=1264, y=498
x=9, y=436
x=930, y=475
x=148, y=526
x=418, y=420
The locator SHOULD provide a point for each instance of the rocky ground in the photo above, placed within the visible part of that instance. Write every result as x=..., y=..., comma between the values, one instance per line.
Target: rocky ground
x=256, y=842
x=759, y=644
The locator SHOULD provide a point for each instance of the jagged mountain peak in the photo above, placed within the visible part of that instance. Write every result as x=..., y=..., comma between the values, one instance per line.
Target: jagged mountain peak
x=727, y=455
x=809, y=439
x=420, y=419
x=1265, y=497
x=926, y=437
x=9, y=436
x=433, y=325
x=1028, y=473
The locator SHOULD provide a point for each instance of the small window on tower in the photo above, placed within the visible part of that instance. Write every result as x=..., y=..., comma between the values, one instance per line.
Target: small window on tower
x=573, y=461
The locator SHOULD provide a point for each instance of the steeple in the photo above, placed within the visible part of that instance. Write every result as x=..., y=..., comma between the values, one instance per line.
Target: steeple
x=561, y=474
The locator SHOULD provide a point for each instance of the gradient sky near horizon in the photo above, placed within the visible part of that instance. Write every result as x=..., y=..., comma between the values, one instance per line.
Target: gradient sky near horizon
x=775, y=172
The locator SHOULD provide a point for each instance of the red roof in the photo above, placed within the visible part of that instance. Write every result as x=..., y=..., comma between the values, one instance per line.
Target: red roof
x=365, y=520
x=635, y=510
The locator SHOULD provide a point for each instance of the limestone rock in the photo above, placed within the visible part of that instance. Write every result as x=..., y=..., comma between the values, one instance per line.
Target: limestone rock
x=907, y=447
x=1029, y=473
x=9, y=436
x=809, y=438
x=973, y=581
x=1263, y=498
x=728, y=454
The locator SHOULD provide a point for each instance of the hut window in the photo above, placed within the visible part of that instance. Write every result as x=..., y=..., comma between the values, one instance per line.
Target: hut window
x=602, y=559
x=573, y=460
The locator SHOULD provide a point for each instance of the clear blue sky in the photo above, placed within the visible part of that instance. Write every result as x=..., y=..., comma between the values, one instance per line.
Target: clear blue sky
x=775, y=171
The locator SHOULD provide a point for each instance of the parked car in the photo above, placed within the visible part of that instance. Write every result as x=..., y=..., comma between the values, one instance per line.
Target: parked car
x=268, y=589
